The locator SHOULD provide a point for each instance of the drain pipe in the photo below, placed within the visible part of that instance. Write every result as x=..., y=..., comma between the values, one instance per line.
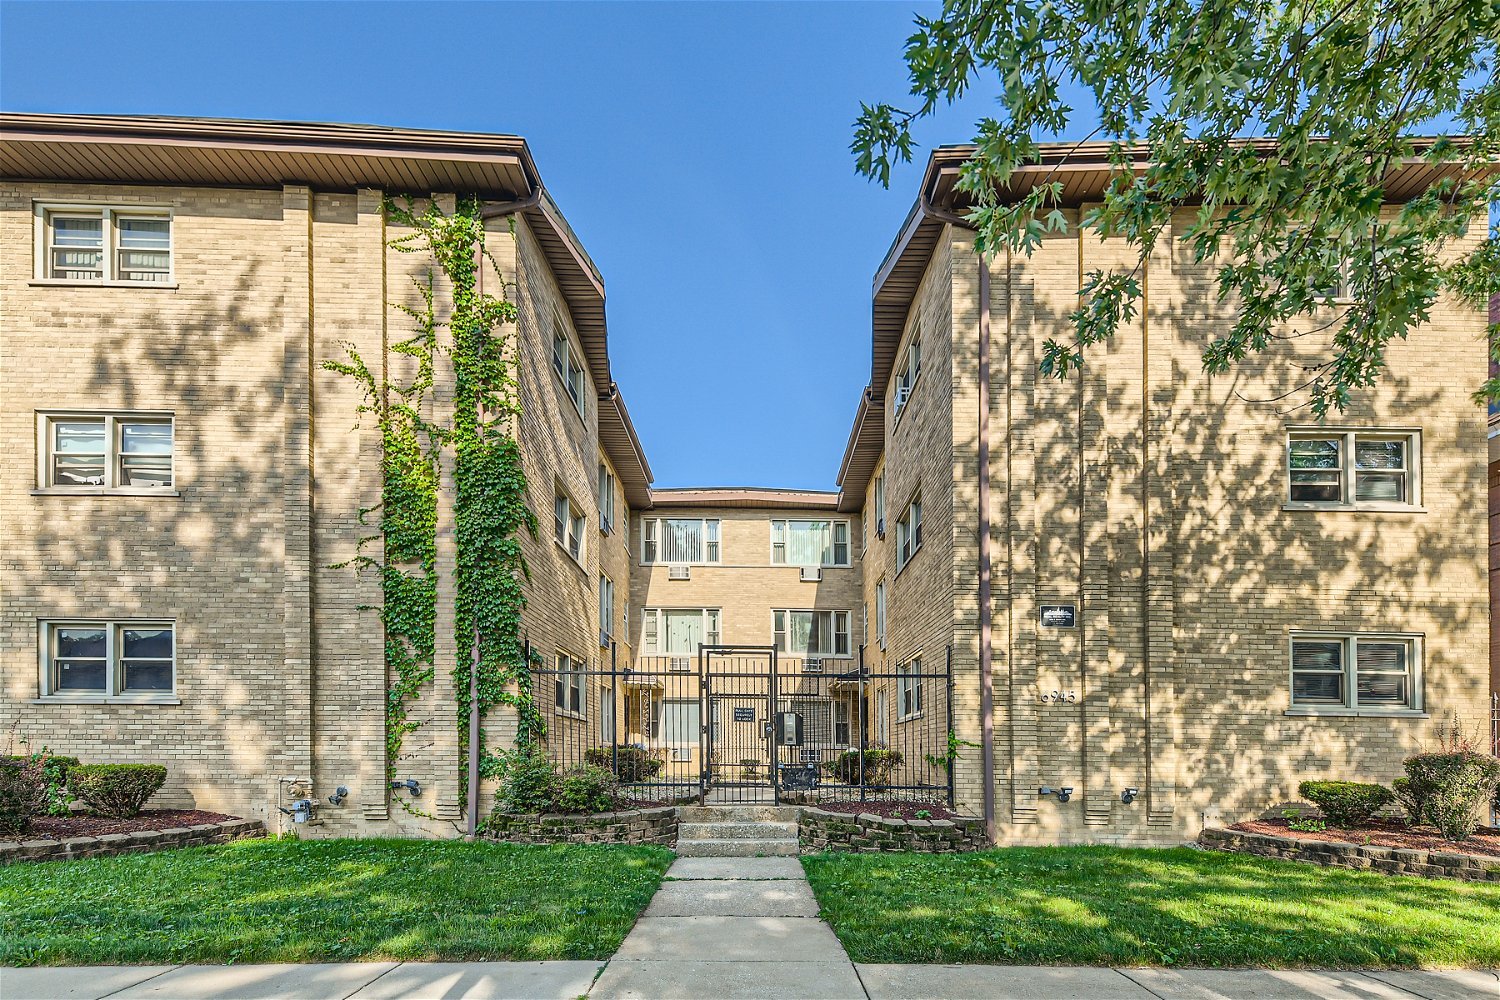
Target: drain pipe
x=986, y=614
x=532, y=199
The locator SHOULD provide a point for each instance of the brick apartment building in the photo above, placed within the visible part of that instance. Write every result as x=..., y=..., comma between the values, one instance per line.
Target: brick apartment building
x=1144, y=579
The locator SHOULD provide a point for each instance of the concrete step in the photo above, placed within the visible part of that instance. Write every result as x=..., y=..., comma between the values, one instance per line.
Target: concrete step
x=737, y=848
x=738, y=814
x=737, y=831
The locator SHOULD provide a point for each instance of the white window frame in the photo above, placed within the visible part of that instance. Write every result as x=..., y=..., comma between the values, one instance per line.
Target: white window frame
x=114, y=670
x=606, y=499
x=109, y=216
x=112, y=455
x=880, y=612
x=909, y=532
x=568, y=366
x=781, y=533
x=1348, y=439
x=710, y=532
x=909, y=682
x=606, y=609
x=651, y=630
x=662, y=711
x=569, y=526
x=832, y=631
x=571, y=677
x=907, y=373
x=880, y=504
x=1351, y=641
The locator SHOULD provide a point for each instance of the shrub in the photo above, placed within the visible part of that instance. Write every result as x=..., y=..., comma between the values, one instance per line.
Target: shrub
x=117, y=791
x=23, y=792
x=528, y=783
x=879, y=764
x=1449, y=786
x=629, y=763
x=1412, y=799
x=1345, y=804
x=55, y=769
x=587, y=789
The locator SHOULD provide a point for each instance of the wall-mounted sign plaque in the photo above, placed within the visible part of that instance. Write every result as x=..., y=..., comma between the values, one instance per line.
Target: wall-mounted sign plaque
x=1059, y=616
x=744, y=715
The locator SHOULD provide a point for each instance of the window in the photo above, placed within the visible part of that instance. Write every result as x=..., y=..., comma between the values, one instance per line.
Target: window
x=606, y=499
x=679, y=631
x=880, y=613
x=909, y=689
x=841, y=723
x=681, y=723
x=91, y=452
x=880, y=506
x=679, y=540
x=568, y=690
x=1373, y=672
x=882, y=717
x=811, y=633
x=864, y=622
x=810, y=543
x=864, y=533
x=567, y=363
x=1353, y=469
x=910, y=368
x=105, y=245
x=567, y=525
x=909, y=533
x=102, y=659
x=606, y=609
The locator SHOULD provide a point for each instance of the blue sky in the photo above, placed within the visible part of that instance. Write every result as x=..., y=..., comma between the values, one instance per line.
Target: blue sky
x=700, y=151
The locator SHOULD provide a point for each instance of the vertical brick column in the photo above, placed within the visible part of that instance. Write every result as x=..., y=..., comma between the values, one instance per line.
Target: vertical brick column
x=1021, y=542
x=443, y=732
x=374, y=797
x=296, y=481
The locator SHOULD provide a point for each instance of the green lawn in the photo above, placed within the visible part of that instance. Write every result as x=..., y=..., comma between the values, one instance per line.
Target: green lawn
x=1107, y=906
x=328, y=900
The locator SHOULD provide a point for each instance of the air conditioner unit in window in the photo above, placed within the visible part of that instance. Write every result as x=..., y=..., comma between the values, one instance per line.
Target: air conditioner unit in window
x=680, y=664
x=679, y=573
x=880, y=527
x=812, y=666
x=604, y=637
x=682, y=755
x=811, y=574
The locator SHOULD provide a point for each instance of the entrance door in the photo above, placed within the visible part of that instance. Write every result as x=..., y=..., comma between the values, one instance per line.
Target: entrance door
x=739, y=690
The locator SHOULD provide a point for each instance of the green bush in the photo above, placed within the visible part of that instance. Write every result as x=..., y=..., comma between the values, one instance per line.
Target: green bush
x=55, y=768
x=879, y=765
x=117, y=791
x=587, y=789
x=528, y=783
x=629, y=763
x=1450, y=786
x=1345, y=804
x=1412, y=799
x=23, y=793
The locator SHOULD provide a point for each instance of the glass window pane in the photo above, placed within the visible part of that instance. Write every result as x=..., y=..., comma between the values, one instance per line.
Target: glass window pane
x=1382, y=689
x=77, y=675
x=68, y=232
x=85, y=437
x=1327, y=654
x=1317, y=486
x=155, y=643
x=145, y=470
x=1379, y=454
x=1318, y=689
x=1315, y=454
x=137, y=232
x=79, y=264
x=145, y=438
x=1380, y=486
x=78, y=470
x=147, y=675
x=79, y=643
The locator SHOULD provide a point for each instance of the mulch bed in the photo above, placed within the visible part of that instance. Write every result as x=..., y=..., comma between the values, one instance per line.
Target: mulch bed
x=63, y=827
x=1384, y=833
x=895, y=810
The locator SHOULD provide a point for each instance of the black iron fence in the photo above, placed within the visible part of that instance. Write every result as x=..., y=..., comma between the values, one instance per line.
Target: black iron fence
x=746, y=724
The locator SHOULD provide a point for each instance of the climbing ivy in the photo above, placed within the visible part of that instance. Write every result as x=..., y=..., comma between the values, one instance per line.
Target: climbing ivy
x=490, y=506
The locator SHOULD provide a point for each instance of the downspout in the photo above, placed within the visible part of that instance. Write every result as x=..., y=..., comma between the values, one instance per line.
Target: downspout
x=986, y=614
x=532, y=199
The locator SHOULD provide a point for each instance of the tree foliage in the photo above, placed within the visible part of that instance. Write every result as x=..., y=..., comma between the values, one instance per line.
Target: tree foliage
x=1341, y=87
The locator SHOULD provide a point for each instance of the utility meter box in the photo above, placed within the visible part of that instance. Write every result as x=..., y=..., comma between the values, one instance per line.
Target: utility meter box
x=788, y=729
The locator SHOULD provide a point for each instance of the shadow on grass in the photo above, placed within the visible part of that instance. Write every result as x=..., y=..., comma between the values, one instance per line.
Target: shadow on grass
x=1106, y=906
x=334, y=900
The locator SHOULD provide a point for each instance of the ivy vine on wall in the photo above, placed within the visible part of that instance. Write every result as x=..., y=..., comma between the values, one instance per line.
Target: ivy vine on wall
x=489, y=506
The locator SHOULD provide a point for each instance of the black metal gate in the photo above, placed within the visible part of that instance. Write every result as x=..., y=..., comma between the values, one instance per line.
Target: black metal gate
x=739, y=690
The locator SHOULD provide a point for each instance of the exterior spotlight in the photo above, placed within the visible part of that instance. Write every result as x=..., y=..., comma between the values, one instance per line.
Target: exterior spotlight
x=1064, y=794
x=338, y=796
x=1129, y=794
x=411, y=785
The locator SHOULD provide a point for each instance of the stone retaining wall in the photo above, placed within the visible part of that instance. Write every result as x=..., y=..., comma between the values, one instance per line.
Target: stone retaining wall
x=634, y=826
x=140, y=842
x=821, y=830
x=1338, y=854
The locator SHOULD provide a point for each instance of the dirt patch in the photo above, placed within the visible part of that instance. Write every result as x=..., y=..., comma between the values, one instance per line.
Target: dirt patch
x=894, y=810
x=1384, y=833
x=63, y=827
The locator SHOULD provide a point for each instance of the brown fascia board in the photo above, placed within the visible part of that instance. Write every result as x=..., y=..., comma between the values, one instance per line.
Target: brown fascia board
x=862, y=453
x=339, y=156
x=618, y=438
x=745, y=497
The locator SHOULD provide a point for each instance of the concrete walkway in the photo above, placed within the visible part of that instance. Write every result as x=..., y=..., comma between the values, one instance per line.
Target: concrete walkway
x=728, y=928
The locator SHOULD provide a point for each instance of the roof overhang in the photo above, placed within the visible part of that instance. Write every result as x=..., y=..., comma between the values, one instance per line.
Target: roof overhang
x=746, y=496
x=862, y=453
x=618, y=439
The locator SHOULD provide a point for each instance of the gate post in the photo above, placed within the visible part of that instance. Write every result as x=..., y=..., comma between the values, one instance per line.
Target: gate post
x=863, y=681
x=952, y=760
